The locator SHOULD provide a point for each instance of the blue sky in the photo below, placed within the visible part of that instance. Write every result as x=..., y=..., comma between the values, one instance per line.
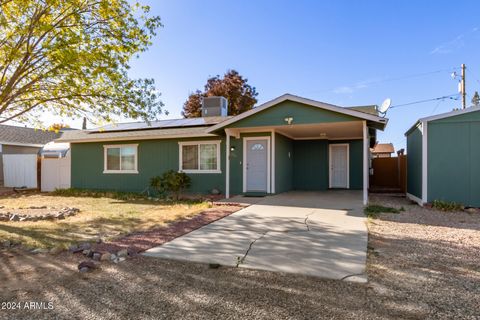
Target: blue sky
x=341, y=52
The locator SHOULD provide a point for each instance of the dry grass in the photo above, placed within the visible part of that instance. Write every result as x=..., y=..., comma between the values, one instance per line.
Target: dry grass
x=99, y=217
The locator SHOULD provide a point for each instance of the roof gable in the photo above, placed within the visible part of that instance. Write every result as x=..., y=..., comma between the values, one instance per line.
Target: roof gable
x=341, y=113
x=458, y=115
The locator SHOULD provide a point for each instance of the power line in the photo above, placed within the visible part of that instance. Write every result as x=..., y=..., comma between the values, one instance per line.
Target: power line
x=451, y=97
x=410, y=76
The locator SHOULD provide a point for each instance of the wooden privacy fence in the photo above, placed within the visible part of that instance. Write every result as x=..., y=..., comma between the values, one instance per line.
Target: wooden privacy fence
x=389, y=174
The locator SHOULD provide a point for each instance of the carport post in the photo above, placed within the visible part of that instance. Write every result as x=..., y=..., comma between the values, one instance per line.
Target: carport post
x=227, y=165
x=365, y=163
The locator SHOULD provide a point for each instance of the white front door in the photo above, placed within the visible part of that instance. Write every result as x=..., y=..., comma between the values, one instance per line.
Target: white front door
x=339, y=166
x=256, y=165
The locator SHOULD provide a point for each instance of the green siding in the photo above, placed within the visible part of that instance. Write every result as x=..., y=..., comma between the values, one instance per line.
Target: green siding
x=414, y=163
x=310, y=164
x=301, y=113
x=154, y=158
x=453, y=159
x=283, y=164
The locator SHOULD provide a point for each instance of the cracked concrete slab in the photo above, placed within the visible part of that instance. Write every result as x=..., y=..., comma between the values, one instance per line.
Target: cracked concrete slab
x=320, y=234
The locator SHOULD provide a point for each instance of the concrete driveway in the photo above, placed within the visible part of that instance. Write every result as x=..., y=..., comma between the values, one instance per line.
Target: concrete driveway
x=320, y=234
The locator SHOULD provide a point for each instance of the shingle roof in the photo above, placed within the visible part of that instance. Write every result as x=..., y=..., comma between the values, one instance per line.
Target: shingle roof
x=163, y=129
x=29, y=136
x=383, y=148
x=85, y=135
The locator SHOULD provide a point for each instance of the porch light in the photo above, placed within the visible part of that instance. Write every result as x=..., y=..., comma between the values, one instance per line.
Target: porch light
x=289, y=120
x=232, y=148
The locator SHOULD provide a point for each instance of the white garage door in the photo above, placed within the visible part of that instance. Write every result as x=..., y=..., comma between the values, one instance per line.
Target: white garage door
x=55, y=173
x=20, y=170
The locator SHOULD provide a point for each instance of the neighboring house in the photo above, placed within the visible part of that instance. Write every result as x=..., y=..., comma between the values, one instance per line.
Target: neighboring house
x=382, y=150
x=443, y=157
x=289, y=143
x=19, y=147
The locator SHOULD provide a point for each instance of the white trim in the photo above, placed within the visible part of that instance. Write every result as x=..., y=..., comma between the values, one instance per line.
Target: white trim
x=414, y=198
x=450, y=114
x=442, y=116
x=425, y=162
x=273, y=161
x=227, y=164
x=129, y=138
x=245, y=139
x=111, y=146
x=366, y=163
x=198, y=143
x=298, y=99
x=18, y=144
x=330, y=163
x=326, y=138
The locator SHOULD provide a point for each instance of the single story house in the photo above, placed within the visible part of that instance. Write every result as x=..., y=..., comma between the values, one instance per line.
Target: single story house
x=443, y=157
x=19, y=148
x=382, y=150
x=289, y=143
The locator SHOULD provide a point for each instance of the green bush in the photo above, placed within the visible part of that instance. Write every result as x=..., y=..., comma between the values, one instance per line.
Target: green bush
x=447, y=205
x=171, y=183
x=373, y=210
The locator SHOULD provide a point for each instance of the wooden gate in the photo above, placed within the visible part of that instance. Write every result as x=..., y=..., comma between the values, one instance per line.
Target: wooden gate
x=389, y=174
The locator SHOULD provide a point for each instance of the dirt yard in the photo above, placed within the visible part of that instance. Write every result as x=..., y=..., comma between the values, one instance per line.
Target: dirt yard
x=422, y=264
x=101, y=217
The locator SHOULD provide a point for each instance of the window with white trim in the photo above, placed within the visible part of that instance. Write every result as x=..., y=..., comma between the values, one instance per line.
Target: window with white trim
x=199, y=157
x=120, y=158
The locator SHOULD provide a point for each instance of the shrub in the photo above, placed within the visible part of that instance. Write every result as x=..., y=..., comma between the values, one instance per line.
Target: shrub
x=447, y=205
x=171, y=183
x=373, y=210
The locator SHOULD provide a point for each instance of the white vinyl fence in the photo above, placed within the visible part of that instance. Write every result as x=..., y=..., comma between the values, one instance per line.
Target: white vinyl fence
x=20, y=170
x=55, y=173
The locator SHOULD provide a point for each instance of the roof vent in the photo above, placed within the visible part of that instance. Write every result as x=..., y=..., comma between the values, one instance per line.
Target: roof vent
x=214, y=107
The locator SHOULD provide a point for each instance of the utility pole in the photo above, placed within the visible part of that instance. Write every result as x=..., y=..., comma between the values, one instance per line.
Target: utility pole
x=462, y=87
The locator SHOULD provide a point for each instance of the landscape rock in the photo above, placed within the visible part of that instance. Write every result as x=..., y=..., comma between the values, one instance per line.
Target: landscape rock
x=14, y=217
x=85, y=246
x=113, y=257
x=74, y=249
x=472, y=210
x=84, y=269
x=96, y=256
x=40, y=250
x=56, y=250
x=106, y=256
x=6, y=244
x=87, y=264
x=122, y=253
x=88, y=253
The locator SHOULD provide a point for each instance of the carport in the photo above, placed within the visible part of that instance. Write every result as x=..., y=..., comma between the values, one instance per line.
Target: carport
x=312, y=233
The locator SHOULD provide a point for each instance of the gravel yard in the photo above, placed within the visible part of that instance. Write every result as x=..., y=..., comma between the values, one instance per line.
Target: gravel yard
x=422, y=264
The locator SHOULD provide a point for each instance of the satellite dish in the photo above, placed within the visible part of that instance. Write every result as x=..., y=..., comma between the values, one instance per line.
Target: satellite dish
x=385, y=105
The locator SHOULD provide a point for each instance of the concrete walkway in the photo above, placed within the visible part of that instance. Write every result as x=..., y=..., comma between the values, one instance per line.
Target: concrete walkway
x=320, y=234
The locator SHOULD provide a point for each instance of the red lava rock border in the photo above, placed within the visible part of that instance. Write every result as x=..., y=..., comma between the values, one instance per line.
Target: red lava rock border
x=140, y=241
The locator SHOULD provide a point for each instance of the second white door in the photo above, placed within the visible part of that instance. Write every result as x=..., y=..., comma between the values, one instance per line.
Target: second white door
x=339, y=159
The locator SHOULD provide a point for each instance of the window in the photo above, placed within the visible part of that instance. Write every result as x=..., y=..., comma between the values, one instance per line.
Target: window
x=199, y=157
x=120, y=158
